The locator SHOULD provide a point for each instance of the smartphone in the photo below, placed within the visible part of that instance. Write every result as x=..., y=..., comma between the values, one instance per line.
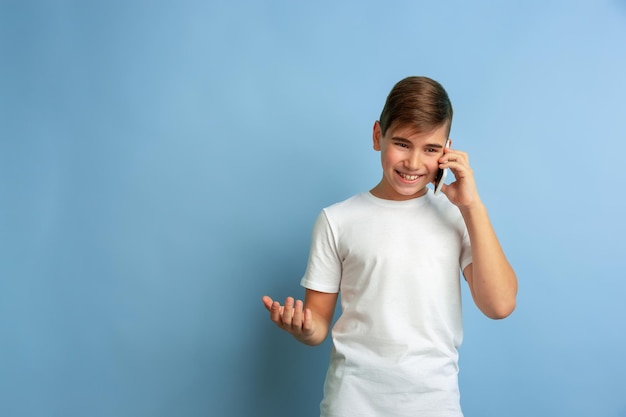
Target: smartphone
x=441, y=175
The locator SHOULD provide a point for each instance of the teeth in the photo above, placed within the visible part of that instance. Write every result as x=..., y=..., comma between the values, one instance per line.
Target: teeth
x=409, y=177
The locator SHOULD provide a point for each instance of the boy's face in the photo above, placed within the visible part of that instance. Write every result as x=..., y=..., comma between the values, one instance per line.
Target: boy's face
x=410, y=160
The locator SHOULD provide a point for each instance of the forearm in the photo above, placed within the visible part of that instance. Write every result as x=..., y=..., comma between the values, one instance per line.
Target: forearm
x=493, y=281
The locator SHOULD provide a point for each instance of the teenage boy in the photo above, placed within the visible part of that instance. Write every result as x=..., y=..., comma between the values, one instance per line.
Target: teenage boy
x=395, y=254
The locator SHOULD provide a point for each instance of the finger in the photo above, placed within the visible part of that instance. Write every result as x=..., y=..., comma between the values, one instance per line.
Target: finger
x=298, y=315
x=456, y=156
x=307, y=324
x=267, y=302
x=288, y=311
x=447, y=157
x=460, y=169
x=455, y=163
x=451, y=159
x=276, y=313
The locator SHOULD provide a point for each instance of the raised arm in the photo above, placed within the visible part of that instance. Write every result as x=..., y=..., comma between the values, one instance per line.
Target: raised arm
x=491, y=278
x=308, y=322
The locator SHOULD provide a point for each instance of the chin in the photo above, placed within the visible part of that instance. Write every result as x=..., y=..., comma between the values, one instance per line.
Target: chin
x=408, y=194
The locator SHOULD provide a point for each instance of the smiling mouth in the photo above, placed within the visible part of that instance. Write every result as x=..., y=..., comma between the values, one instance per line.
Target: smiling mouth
x=408, y=177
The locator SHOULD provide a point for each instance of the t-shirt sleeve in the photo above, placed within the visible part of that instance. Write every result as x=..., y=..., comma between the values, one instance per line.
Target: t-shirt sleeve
x=466, y=251
x=323, y=272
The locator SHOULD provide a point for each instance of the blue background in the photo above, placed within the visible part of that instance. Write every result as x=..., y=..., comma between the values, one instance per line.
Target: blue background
x=162, y=164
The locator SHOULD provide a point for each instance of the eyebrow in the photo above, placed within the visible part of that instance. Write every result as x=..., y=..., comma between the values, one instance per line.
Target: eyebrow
x=426, y=145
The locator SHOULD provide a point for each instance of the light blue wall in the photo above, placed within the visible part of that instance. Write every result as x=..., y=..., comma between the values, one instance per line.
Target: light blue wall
x=161, y=166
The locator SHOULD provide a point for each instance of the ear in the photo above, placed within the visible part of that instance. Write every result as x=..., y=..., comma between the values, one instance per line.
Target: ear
x=376, y=135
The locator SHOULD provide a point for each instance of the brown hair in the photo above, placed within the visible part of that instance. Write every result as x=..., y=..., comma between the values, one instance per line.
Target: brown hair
x=419, y=102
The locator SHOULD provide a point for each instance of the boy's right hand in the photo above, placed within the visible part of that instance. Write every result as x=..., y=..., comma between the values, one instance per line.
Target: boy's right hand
x=292, y=317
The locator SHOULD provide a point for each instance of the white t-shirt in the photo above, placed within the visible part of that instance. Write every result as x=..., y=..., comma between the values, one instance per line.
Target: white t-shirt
x=396, y=264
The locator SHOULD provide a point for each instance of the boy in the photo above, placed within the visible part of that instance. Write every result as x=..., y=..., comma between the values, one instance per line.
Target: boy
x=395, y=253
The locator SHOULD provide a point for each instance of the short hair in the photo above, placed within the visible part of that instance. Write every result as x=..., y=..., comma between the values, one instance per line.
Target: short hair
x=419, y=102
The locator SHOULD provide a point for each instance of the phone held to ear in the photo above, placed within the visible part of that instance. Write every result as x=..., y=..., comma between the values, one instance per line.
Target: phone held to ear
x=441, y=176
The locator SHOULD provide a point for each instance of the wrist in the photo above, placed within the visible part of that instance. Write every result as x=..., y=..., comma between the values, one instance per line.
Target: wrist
x=308, y=339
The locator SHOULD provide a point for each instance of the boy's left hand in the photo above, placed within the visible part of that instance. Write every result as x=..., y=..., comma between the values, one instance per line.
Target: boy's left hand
x=462, y=192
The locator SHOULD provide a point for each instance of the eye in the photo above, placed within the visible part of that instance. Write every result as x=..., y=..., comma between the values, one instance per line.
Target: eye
x=432, y=150
x=402, y=145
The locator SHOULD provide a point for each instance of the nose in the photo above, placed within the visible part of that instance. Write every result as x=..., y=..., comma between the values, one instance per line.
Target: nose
x=414, y=161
